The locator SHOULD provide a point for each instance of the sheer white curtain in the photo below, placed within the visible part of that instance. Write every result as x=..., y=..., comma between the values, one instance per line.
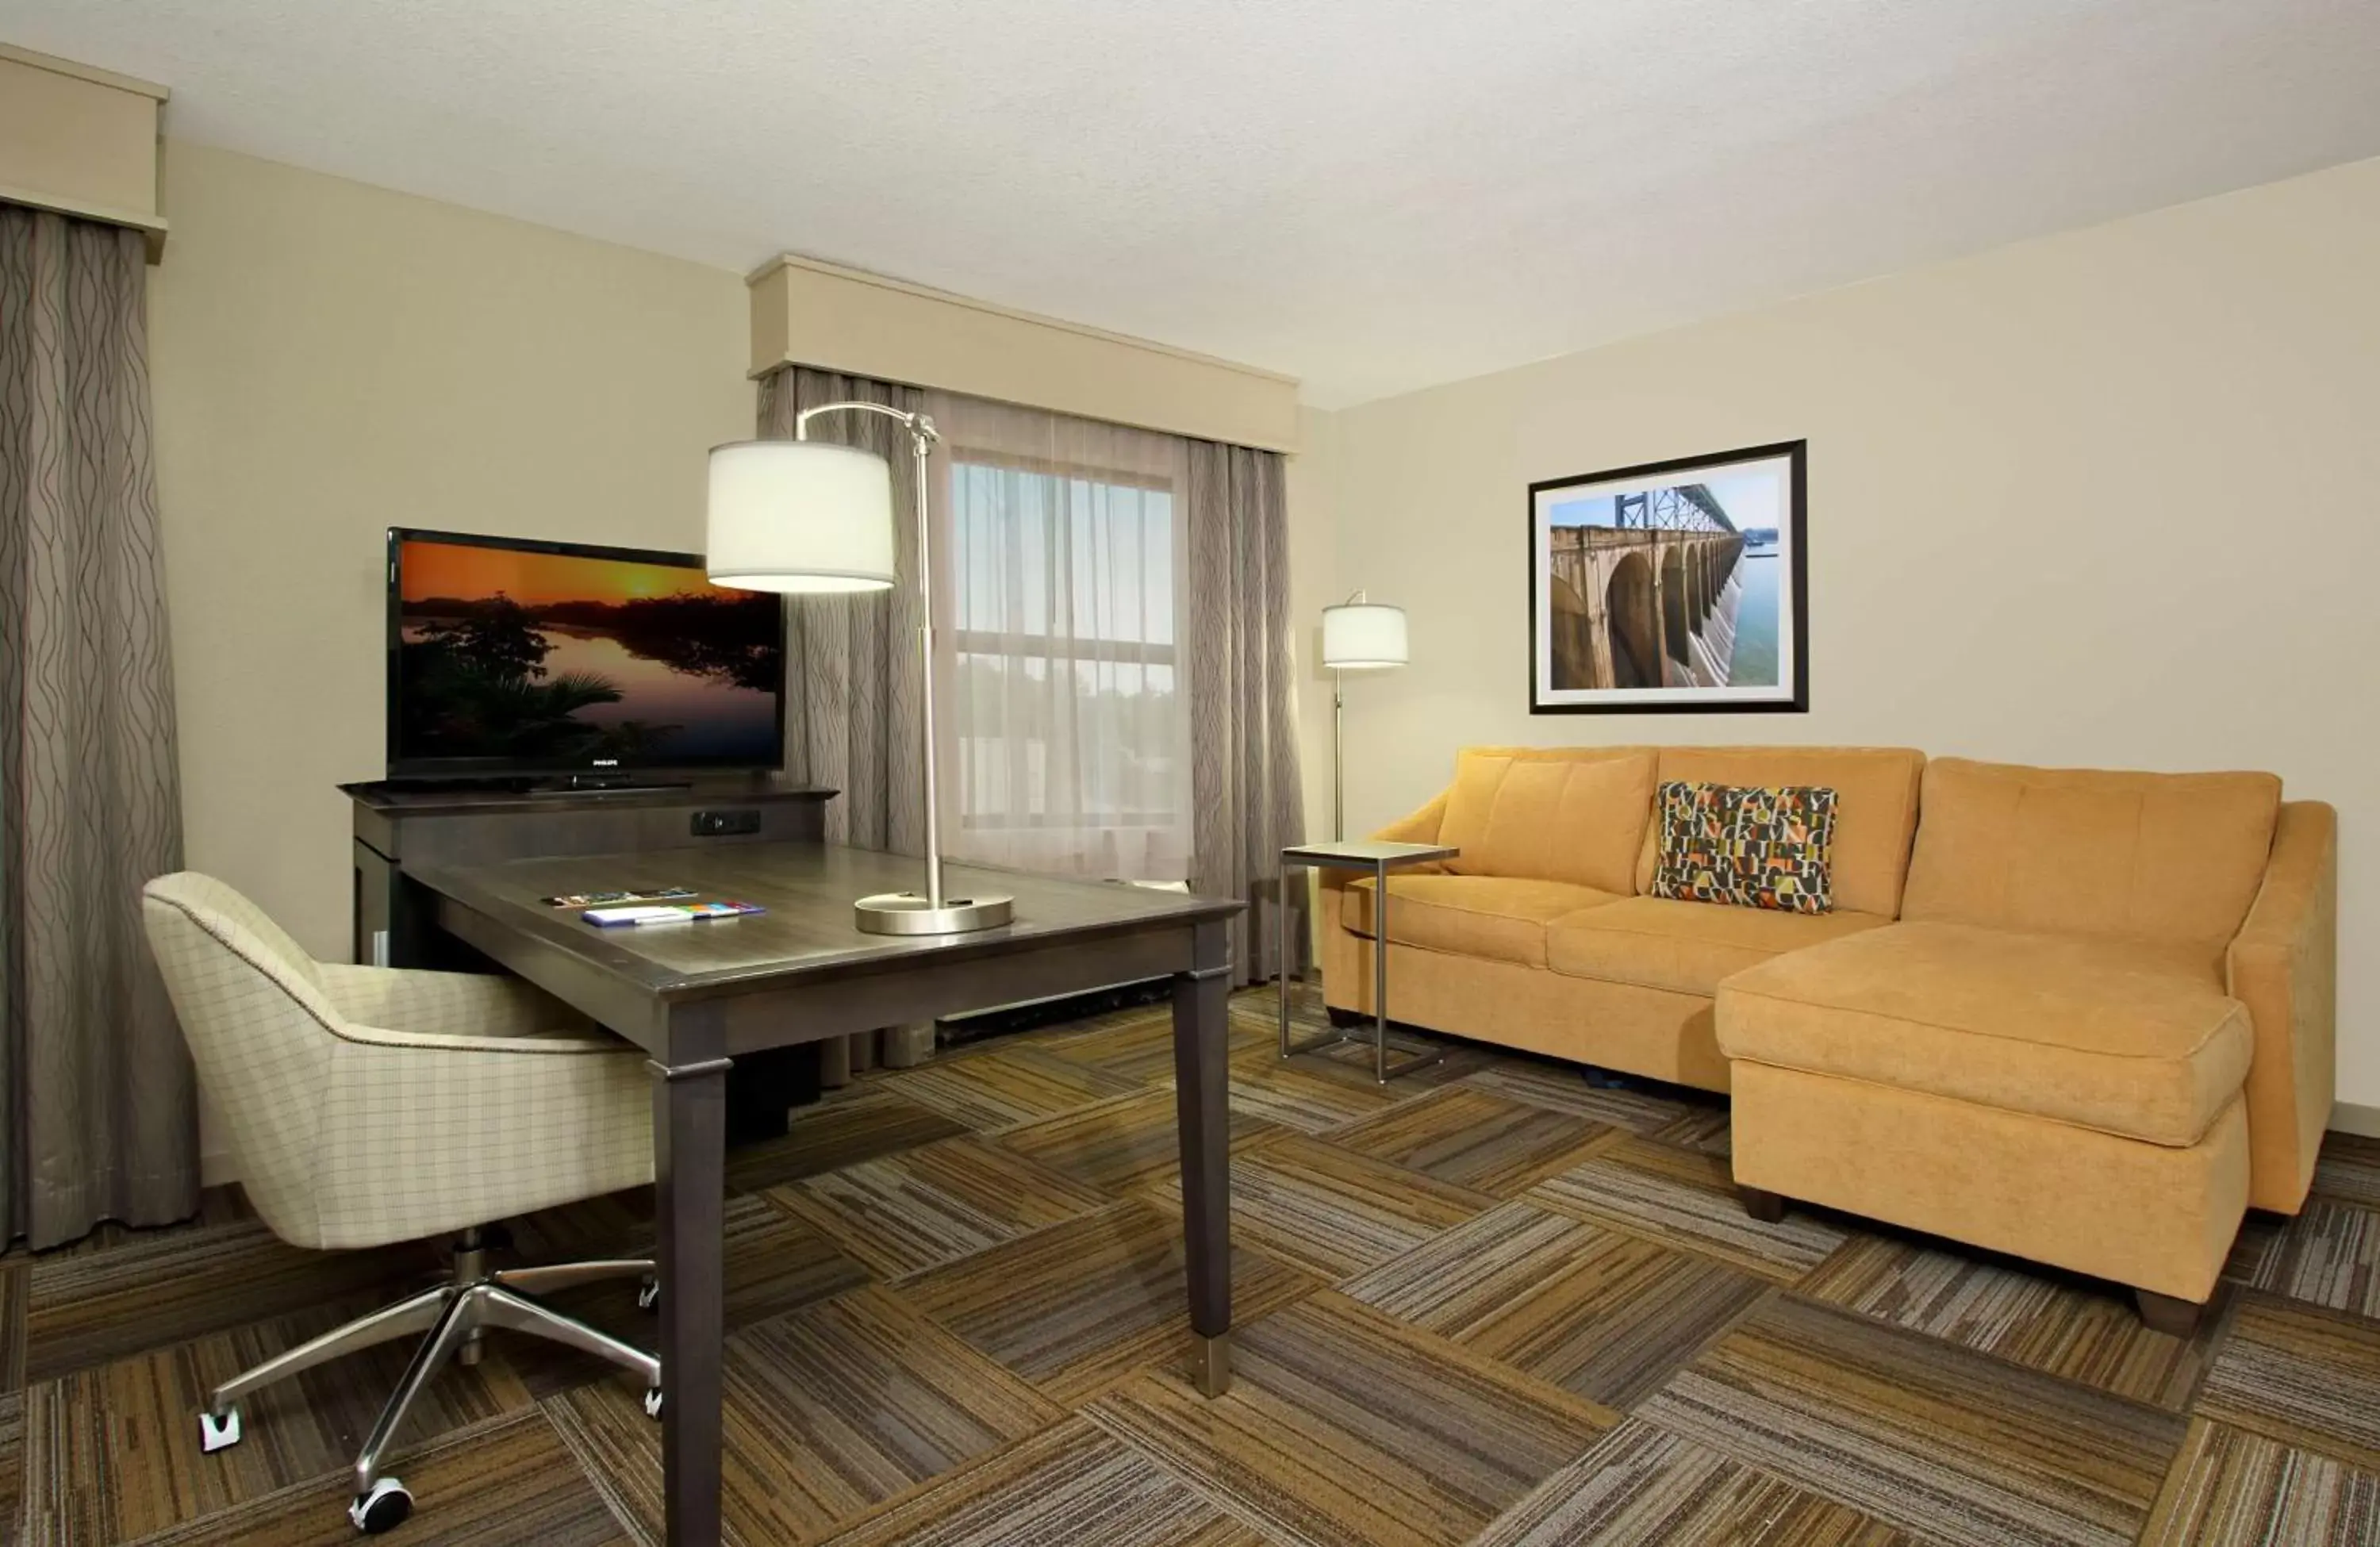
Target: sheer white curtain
x=1059, y=558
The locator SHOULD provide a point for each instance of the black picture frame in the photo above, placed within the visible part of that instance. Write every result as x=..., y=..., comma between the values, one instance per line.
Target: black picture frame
x=1595, y=643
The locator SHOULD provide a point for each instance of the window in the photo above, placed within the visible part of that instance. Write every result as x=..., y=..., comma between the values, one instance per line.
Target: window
x=1067, y=715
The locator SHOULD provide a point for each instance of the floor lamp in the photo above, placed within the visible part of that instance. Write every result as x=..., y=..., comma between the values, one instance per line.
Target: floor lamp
x=1357, y=636
x=803, y=516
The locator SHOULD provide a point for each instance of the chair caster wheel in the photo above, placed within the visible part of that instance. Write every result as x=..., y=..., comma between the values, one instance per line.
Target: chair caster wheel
x=649, y=1294
x=653, y=1402
x=382, y=1509
x=218, y=1432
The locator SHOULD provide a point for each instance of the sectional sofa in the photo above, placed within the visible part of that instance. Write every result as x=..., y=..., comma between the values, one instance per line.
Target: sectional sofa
x=2078, y=1016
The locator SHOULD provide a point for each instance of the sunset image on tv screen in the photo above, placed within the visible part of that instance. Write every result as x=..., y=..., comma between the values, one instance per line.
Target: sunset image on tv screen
x=562, y=659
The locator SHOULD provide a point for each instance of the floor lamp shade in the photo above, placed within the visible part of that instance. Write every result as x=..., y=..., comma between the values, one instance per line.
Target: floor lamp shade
x=799, y=516
x=1363, y=636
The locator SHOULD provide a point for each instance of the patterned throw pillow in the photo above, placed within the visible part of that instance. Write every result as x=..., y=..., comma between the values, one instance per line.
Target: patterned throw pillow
x=1747, y=847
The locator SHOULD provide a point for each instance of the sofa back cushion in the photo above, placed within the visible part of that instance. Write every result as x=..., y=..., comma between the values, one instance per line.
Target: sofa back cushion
x=1876, y=808
x=1576, y=814
x=2171, y=858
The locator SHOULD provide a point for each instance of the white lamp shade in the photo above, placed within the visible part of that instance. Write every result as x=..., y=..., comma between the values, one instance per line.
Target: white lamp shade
x=803, y=516
x=1363, y=636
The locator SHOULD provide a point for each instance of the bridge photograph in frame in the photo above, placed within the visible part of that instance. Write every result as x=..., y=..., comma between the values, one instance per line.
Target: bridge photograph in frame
x=1677, y=586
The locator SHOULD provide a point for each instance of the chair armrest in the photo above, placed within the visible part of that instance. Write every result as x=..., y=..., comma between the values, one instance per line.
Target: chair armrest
x=2284, y=965
x=445, y=1004
x=1414, y=827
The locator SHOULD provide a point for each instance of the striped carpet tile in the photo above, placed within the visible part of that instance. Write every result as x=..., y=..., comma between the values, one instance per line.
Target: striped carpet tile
x=1604, y=1315
x=1642, y=1487
x=1949, y=1445
x=829, y=1411
x=1346, y=1429
x=1295, y=1097
x=1564, y=1087
x=1476, y=1139
x=1123, y=1145
x=12, y=1463
x=2081, y=1330
x=992, y=1090
x=2234, y=1489
x=1079, y=1306
x=1703, y=1127
x=1468, y=1273
x=1683, y=1199
x=775, y=1263
x=866, y=1122
x=1070, y=1485
x=1617, y=1322
x=1141, y=1051
x=506, y=1481
x=111, y=1453
x=2301, y=1374
x=2349, y=1169
x=2255, y=1251
x=86, y=1308
x=1333, y=1212
x=616, y=1225
x=2329, y=1255
x=906, y=1213
x=1350, y=1059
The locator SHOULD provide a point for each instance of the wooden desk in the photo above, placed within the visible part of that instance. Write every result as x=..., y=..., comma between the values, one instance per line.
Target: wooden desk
x=698, y=996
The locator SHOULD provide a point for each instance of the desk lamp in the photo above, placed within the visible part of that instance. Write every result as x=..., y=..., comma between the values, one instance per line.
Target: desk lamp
x=803, y=516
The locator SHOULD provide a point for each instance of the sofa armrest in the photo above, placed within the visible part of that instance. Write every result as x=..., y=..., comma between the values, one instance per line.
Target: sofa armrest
x=2284, y=965
x=1414, y=827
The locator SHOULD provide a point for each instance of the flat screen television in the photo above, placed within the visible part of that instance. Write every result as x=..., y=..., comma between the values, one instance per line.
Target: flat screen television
x=510, y=658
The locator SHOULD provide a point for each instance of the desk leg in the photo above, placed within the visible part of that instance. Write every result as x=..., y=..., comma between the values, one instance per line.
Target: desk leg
x=690, y=1185
x=1202, y=1093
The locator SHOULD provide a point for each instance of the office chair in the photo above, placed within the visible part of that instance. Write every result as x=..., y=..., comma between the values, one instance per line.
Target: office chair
x=371, y=1105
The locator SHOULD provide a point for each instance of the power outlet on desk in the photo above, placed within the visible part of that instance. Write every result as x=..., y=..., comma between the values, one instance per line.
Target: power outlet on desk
x=723, y=825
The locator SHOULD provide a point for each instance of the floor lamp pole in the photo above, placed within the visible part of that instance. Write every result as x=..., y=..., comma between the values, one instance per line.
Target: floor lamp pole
x=1337, y=761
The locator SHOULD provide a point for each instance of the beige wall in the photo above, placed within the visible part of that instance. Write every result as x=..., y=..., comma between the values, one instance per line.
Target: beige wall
x=330, y=360
x=1312, y=498
x=2110, y=498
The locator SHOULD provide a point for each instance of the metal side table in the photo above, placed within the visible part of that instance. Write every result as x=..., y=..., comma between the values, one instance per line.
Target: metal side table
x=1360, y=854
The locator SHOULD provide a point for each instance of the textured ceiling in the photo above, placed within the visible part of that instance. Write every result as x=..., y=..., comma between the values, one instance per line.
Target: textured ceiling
x=1375, y=195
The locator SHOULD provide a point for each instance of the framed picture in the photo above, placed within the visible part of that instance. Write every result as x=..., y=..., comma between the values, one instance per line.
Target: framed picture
x=1672, y=587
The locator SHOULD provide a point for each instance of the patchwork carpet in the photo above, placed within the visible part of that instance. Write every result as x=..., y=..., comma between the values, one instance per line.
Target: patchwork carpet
x=1489, y=1304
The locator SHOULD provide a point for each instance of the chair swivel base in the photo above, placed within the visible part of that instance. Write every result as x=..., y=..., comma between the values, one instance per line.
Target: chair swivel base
x=453, y=1315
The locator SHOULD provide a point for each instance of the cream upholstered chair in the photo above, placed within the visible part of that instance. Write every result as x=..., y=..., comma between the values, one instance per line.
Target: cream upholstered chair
x=370, y=1106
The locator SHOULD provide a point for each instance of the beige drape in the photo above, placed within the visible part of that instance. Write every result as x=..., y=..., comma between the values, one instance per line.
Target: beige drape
x=96, y=1092
x=1244, y=768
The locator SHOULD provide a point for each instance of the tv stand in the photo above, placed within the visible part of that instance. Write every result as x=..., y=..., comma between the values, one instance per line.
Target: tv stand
x=402, y=823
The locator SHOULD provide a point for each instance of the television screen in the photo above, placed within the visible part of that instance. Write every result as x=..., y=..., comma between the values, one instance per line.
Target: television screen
x=508, y=656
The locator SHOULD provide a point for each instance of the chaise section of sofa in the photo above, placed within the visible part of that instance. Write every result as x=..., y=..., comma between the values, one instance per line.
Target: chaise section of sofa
x=2094, y=1037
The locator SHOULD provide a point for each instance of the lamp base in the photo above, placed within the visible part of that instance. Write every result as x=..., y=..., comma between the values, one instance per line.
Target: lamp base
x=908, y=913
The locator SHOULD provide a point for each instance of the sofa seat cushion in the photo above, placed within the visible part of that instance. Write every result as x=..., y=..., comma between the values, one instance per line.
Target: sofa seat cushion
x=1685, y=947
x=1497, y=917
x=2139, y=1042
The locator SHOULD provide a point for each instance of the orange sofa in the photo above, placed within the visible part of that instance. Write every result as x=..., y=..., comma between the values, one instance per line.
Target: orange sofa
x=2082, y=1018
